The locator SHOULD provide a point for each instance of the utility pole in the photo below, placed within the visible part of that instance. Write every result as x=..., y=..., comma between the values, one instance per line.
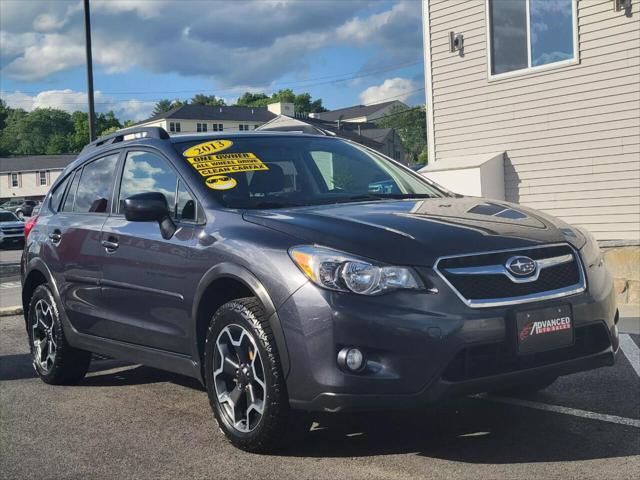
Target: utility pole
x=87, y=36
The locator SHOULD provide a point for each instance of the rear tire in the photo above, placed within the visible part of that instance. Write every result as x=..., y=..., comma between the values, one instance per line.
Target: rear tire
x=244, y=379
x=55, y=361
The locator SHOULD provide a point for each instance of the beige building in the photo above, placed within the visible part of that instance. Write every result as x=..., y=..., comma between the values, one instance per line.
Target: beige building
x=538, y=102
x=205, y=118
x=30, y=176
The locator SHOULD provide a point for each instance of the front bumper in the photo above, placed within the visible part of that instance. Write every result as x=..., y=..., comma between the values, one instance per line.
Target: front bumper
x=422, y=348
x=11, y=239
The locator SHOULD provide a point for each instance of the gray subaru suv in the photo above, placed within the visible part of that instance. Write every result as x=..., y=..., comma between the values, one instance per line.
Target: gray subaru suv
x=294, y=273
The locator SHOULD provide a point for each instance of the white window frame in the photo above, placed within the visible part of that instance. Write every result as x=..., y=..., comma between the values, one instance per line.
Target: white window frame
x=529, y=70
x=41, y=178
x=17, y=184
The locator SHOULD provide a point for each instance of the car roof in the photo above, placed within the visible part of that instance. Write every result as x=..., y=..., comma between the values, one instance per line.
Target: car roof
x=188, y=137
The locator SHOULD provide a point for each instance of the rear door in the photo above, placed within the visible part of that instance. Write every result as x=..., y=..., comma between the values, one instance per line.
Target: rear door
x=148, y=282
x=71, y=246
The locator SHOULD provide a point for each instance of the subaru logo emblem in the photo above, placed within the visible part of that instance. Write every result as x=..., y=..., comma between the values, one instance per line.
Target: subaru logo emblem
x=521, y=266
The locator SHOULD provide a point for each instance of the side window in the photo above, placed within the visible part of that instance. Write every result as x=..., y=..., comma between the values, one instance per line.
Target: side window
x=525, y=34
x=148, y=172
x=58, y=193
x=67, y=206
x=94, y=190
x=186, y=206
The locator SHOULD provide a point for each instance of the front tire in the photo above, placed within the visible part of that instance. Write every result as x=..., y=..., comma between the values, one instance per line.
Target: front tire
x=244, y=379
x=20, y=214
x=55, y=361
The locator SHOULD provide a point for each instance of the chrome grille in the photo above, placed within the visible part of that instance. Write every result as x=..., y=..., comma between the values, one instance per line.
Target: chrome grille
x=12, y=230
x=482, y=279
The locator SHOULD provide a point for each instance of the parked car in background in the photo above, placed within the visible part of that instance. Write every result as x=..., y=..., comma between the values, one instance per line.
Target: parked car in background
x=21, y=207
x=11, y=229
x=295, y=273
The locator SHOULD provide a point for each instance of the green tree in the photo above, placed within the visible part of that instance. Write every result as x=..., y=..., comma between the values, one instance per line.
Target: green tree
x=164, y=105
x=42, y=131
x=105, y=123
x=249, y=99
x=201, y=99
x=4, y=112
x=302, y=102
x=411, y=126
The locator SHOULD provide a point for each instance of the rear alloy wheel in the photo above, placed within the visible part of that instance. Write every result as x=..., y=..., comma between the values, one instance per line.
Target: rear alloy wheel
x=43, y=334
x=244, y=379
x=20, y=214
x=55, y=361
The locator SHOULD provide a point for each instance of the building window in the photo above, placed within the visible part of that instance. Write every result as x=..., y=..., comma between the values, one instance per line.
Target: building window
x=201, y=127
x=526, y=35
x=174, y=126
x=15, y=182
x=244, y=128
x=255, y=127
x=220, y=127
x=43, y=178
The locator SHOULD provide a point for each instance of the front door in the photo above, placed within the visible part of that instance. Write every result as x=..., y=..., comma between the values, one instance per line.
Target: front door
x=146, y=284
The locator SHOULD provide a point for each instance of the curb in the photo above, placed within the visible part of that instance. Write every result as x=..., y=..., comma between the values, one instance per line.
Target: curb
x=10, y=311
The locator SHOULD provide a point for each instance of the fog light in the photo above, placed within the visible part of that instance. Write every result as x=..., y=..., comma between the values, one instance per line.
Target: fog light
x=351, y=359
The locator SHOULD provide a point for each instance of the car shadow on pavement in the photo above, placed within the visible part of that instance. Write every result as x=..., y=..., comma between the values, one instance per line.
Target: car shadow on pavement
x=110, y=372
x=471, y=431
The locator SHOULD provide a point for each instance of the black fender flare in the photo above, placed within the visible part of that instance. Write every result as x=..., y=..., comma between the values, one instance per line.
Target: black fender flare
x=38, y=265
x=244, y=276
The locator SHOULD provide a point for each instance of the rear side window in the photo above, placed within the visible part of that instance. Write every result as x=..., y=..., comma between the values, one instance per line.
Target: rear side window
x=67, y=205
x=147, y=172
x=94, y=189
x=58, y=193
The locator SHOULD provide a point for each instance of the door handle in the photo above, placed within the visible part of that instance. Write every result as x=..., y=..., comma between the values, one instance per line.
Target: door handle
x=110, y=246
x=55, y=237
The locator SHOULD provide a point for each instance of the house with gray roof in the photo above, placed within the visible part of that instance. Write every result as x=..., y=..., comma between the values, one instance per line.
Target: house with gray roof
x=208, y=118
x=30, y=176
x=359, y=113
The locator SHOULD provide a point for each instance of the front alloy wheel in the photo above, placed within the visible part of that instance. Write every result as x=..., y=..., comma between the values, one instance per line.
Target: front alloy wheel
x=244, y=379
x=239, y=378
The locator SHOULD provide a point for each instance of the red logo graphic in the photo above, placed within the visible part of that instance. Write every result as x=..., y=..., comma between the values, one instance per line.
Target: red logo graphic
x=544, y=326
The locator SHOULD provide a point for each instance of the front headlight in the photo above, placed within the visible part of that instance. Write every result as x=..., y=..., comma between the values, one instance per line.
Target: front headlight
x=591, y=253
x=347, y=273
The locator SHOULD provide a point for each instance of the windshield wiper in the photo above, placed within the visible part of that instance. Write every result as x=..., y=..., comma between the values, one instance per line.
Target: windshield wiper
x=381, y=196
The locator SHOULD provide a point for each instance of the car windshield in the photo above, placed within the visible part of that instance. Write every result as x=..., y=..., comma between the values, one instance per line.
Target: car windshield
x=284, y=171
x=8, y=217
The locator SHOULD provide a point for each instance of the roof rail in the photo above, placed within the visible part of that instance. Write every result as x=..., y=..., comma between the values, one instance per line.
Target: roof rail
x=133, y=133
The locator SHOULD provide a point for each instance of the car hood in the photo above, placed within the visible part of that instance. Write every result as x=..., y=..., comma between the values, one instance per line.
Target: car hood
x=417, y=232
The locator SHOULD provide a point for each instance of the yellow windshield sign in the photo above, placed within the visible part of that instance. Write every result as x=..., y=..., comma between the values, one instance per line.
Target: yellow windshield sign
x=207, y=148
x=224, y=163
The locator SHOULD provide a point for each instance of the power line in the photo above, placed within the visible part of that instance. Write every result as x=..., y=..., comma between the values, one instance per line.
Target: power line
x=300, y=83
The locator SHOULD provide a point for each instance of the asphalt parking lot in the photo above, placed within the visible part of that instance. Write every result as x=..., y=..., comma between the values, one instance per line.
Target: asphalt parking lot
x=129, y=421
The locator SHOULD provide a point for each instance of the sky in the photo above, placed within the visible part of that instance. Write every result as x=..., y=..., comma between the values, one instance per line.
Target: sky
x=347, y=52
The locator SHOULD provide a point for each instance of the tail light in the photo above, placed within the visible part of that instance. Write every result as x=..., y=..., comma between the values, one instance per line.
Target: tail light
x=28, y=226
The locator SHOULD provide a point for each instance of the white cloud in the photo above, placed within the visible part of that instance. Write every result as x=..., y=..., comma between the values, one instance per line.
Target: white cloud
x=220, y=40
x=391, y=89
x=71, y=101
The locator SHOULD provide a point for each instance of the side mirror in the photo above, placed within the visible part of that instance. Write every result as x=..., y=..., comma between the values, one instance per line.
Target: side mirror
x=150, y=207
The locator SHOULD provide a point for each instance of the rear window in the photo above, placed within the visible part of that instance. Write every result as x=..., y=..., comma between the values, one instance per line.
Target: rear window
x=282, y=171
